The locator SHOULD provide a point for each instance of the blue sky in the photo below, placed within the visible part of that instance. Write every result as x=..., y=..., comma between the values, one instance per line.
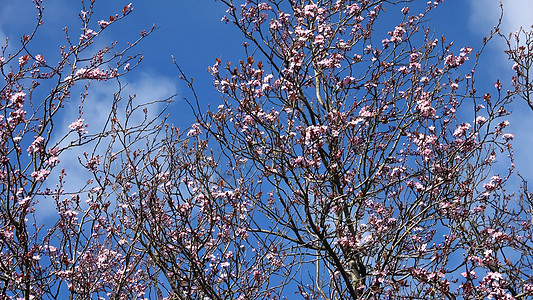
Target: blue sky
x=192, y=31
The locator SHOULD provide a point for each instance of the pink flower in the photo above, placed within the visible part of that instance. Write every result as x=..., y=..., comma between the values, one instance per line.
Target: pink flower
x=425, y=108
x=17, y=99
x=310, y=10
x=480, y=120
x=40, y=175
x=36, y=146
x=195, y=130
x=461, y=130
x=275, y=24
x=16, y=117
x=23, y=60
x=103, y=24
x=224, y=264
x=495, y=182
x=40, y=59
x=92, y=74
x=397, y=34
x=508, y=136
x=88, y=35
x=52, y=161
x=367, y=112
x=498, y=84
x=78, y=126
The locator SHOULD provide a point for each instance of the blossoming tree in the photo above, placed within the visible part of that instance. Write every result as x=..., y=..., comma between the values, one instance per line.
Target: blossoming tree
x=68, y=253
x=364, y=156
x=352, y=157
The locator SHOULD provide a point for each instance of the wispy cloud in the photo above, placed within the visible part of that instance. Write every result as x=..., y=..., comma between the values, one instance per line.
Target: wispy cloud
x=516, y=14
x=146, y=87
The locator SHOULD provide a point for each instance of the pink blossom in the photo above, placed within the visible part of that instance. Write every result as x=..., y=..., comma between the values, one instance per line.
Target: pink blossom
x=469, y=275
x=397, y=34
x=93, y=162
x=40, y=59
x=455, y=61
x=508, y=136
x=352, y=8
x=78, y=126
x=52, y=161
x=461, y=130
x=367, y=112
x=23, y=60
x=224, y=264
x=17, y=99
x=481, y=120
x=425, y=108
x=103, y=24
x=95, y=73
x=275, y=24
x=17, y=117
x=313, y=133
x=495, y=182
x=195, y=130
x=498, y=84
x=310, y=10
x=36, y=146
x=40, y=175
x=88, y=34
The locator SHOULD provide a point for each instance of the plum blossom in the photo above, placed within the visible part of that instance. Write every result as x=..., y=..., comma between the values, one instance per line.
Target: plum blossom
x=314, y=132
x=275, y=24
x=495, y=182
x=93, y=162
x=40, y=175
x=461, y=130
x=397, y=34
x=17, y=117
x=367, y=112
x=455, y=61
x=88, y=34
x=23, y=60
x=424, y=107
x=40, y=59
x=17, y=99
x=498, y=84
x=310, y=10
x=195, y=130
x=481, y=120
x=95, y=73
x=508, y=136
x=425, y=143
x=103, y=24
x=36, y=146
x=78, y=126
x=413, y=61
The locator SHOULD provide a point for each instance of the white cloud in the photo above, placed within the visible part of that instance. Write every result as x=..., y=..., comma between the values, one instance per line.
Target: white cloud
x=485, y=14
x=96, y=110
x=516, y=14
